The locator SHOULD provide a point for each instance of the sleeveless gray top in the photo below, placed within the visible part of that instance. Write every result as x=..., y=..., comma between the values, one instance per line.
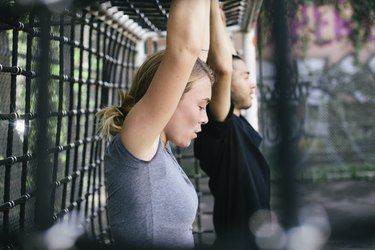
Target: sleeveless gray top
x=149, y=203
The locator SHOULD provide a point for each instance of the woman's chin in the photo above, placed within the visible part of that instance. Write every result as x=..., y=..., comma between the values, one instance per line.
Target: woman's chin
x=183, y=144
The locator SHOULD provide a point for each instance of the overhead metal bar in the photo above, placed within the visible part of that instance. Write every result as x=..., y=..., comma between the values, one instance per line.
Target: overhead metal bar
x=152, y=15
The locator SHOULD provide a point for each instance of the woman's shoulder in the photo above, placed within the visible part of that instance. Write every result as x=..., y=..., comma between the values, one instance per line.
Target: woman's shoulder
x=117, y=152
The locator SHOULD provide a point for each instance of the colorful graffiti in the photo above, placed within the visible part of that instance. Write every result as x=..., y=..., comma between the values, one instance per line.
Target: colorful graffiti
x=325, y=23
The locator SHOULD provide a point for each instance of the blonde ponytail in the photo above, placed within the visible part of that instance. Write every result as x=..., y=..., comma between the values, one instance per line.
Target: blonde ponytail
x=111, y=118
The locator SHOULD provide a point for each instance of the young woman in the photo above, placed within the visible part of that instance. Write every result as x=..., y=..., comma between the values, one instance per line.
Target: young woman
x=151, y=202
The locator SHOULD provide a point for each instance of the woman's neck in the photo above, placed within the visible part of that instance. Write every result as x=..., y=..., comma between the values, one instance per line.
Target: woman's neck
x=163, y=138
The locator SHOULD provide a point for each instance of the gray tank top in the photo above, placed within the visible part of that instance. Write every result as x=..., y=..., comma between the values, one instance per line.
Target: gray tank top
x=149, y=203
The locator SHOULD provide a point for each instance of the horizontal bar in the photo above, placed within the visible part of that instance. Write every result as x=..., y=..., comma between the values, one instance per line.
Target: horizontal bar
x=86, y=81
x=68, y=209
x=15, y=70
x=10, y=204
x=29, y=156
x=63, y=113
x=77, y=173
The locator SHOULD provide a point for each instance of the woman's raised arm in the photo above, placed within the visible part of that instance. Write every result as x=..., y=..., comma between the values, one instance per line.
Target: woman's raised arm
x=147, y=119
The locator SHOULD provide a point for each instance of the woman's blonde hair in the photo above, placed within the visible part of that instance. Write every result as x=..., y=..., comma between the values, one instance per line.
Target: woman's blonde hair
x=111, y=118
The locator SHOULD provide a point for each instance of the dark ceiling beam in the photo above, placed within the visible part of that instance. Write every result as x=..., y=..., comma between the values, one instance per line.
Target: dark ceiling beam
x=152, y=15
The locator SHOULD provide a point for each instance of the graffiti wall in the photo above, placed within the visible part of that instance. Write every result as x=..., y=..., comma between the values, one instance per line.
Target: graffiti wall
x=333, y=95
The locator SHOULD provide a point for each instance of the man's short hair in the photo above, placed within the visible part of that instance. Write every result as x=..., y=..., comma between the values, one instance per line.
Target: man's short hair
x=236, y=57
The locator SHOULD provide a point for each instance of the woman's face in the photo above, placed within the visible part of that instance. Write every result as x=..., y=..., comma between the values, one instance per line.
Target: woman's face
x=190, y=114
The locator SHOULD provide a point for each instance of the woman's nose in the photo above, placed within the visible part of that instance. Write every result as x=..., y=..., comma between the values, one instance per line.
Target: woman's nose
x=204, y=118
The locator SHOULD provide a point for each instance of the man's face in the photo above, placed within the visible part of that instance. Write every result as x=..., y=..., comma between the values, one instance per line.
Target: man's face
x=242, y=89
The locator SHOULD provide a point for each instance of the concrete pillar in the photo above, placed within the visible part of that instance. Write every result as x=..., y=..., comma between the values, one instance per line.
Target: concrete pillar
x=141, y=53
x=249, y=55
